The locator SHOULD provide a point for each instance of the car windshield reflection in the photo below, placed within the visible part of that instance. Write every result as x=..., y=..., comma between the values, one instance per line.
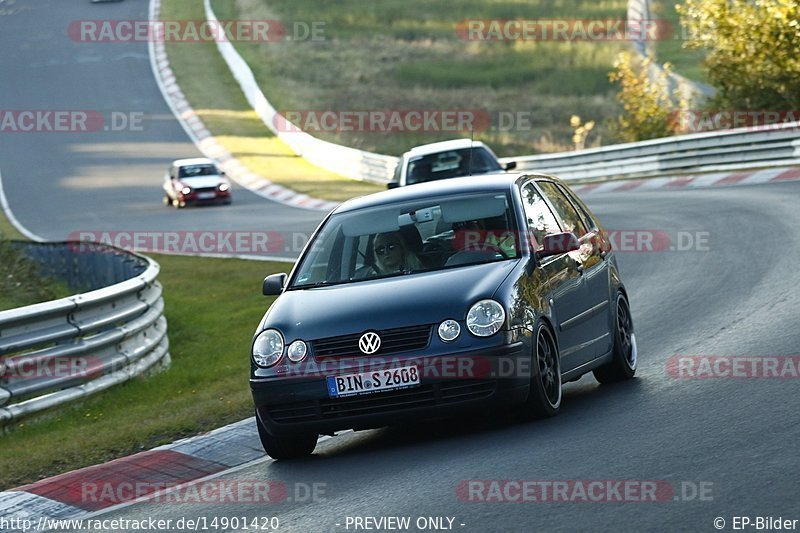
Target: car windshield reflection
x=193, y=171
x=452, y=163
x=400, y=239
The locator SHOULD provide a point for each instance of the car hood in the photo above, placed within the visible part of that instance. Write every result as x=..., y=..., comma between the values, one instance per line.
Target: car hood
x=200, y=182
x=423, y=298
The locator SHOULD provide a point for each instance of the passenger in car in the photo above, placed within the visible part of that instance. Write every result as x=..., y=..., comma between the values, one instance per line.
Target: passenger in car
x=483, y=235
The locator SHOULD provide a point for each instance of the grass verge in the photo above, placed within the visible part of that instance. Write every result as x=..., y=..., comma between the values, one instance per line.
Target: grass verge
x=7, y=230
x=21, y=282
x=394, y=55
x=213, y=93
x=688, y=63
x=211, y=318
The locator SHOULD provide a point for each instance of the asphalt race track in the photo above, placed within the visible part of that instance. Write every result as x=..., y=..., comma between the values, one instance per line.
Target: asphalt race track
x=58, y=183
x=722, y=446
x=725, y=446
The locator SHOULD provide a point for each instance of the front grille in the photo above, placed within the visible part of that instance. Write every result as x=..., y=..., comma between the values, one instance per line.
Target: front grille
x=392, y=341
x=205, y=189
x=438, y=394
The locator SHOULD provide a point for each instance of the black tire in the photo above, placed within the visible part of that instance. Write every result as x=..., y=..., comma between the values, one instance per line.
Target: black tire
x=280, y=448
x=544, y=397
x=624, y=353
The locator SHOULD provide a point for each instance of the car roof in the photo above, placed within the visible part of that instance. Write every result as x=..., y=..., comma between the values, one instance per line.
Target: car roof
x=450, y=186
x=193, y=161
x=432, y=148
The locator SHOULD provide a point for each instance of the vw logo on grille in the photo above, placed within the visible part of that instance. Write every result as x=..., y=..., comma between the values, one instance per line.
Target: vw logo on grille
x=369, y=342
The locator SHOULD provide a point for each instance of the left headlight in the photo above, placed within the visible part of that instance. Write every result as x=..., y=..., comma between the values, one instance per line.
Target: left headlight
x=224, y=187
x=449, y=330
x=268, y=348
x=485, y=318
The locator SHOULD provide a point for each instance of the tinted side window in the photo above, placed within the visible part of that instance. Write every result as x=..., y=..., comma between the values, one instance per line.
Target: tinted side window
x=482, y=161
x=564, y=208
x=540, y=219
x=585, y=216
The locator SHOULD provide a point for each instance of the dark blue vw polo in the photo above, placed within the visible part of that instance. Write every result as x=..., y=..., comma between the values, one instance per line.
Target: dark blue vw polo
x=443, y=297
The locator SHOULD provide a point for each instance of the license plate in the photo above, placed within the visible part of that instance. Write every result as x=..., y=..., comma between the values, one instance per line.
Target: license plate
x=206, y=195
x=373, y=381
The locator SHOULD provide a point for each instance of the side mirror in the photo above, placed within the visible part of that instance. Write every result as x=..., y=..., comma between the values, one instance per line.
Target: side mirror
x=273, y=284
x=392, y=185
x=558, y=243
x=511, y=165
x=222, y=173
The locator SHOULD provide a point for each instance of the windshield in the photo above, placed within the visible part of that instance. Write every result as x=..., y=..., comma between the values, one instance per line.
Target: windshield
x=192, y=171
x=450, y=164
x=400, y=239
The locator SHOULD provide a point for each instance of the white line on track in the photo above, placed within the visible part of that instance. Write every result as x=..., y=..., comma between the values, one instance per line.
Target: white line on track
x=10, y=215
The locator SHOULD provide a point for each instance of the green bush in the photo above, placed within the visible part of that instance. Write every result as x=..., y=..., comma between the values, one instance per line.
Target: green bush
x=648, y=110
x=752, y=50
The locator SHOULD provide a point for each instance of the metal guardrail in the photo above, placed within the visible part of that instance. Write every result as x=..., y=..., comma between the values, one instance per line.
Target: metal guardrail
x=56, y=352
x=775, y=145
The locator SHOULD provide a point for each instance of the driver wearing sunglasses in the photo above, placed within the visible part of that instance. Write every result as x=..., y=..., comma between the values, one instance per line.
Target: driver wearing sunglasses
x=391, y=254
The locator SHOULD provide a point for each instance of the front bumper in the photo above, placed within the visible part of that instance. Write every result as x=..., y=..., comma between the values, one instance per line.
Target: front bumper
x=500, y=375
x=194, y=198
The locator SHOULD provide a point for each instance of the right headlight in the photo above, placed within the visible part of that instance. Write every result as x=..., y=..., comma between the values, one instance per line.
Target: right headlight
x=485, y=318
x=268, y=348
x=297, y=351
